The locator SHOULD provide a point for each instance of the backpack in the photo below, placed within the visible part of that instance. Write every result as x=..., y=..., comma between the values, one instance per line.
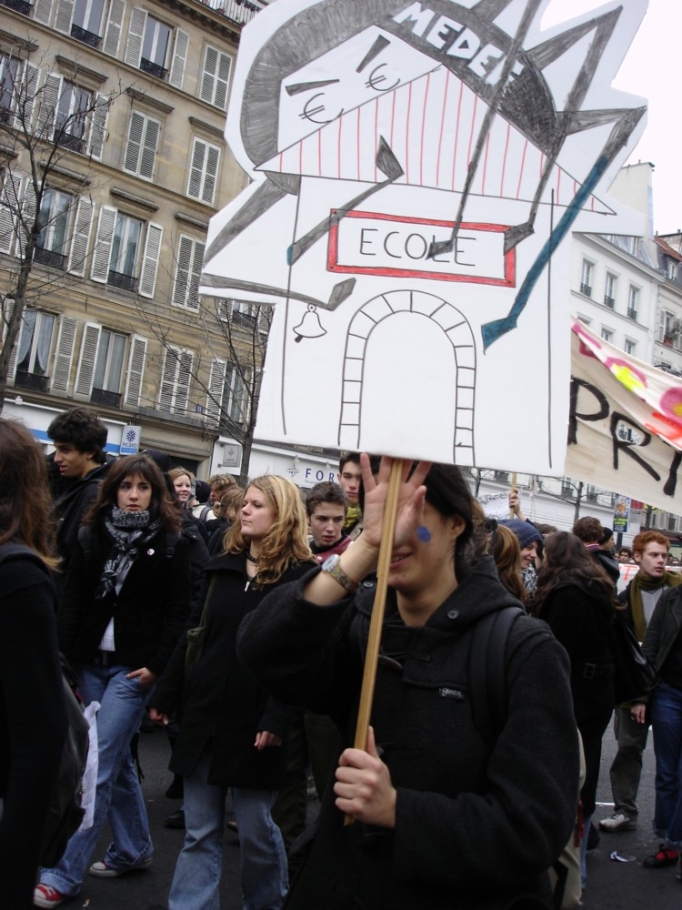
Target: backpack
x=64, y=814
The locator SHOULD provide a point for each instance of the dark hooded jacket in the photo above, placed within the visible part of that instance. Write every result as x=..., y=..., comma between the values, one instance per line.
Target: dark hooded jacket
x=476, y=827
x=70, y=506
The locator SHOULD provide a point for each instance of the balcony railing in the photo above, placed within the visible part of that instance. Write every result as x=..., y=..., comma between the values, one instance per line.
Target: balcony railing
x=108, y=399
x=49, y=257
x=241, y=11
x=632, y=314
x=32, y=381
x=609, y=302
x=119, y=280
x=585, y=289
x=84, y=36
x=19, y=6
x=69, y=141
x=154, y=69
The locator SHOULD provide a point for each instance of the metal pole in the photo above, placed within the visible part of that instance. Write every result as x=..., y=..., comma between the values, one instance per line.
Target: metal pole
x=578, y=498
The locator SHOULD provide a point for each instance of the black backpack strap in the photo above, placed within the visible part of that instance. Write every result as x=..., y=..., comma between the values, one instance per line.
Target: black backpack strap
x=85, y=540
x=487, y=671
x=172, y=538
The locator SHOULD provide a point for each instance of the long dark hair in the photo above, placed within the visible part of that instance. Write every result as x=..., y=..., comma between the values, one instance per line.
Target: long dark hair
x=567, y=560
x=161, y=505
x=25, y=513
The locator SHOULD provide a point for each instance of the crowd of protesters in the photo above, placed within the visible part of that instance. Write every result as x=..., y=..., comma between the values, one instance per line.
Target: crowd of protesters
x=238, y=620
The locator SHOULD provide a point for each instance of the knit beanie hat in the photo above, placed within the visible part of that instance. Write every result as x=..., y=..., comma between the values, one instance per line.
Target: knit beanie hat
x=524, y=530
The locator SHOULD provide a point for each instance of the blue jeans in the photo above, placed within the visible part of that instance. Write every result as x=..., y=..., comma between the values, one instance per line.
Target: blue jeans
x=118, y=796
x=196, y=880
x=666, y=723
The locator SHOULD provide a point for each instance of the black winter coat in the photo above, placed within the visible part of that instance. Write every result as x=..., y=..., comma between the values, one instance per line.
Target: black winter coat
x=475, y=827
x=150, y=611
x=221, y=705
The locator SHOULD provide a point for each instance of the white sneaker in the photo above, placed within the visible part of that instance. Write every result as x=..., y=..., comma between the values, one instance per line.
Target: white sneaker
x=46, y=896
x=619, y=821
x=102, y=870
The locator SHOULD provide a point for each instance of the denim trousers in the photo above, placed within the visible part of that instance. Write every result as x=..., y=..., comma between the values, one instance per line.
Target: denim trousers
x=118, y=797
x=196, y=880
x=666, y=723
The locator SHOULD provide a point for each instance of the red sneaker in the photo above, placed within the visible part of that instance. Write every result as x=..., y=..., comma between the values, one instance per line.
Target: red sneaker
x=46, y=896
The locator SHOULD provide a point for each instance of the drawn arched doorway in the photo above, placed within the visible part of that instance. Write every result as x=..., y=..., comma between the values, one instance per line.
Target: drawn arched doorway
x=452, y=371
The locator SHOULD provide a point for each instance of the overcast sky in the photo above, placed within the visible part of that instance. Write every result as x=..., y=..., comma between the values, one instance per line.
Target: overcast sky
x=649, y=71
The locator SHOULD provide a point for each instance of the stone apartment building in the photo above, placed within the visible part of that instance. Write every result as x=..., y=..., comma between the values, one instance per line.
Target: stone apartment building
x=119, y=105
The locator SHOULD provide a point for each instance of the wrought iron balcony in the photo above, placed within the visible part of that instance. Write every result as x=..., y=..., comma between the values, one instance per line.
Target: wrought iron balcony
x=153, y=69
x=84, y=36
x=119, y=280
x=34, y=381
x=49, y=257
x=19, y=6
x=108, y=399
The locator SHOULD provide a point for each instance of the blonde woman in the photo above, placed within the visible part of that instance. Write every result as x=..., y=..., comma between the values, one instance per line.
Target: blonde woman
x=230, y=731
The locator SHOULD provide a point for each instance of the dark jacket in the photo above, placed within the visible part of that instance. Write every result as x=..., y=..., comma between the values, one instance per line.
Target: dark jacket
x=475, y=827
x=664, y=627
x=33, y=722
x=608, y=563
x=580, y=617
x=70, y=506
x=221, y=704
x=150, y=611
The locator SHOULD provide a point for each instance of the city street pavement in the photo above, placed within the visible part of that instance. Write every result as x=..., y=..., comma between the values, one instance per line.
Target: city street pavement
x=611, y=885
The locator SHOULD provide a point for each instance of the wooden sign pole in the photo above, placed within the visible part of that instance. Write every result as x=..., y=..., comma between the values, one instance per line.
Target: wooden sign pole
x=513, y=487
x=378, y=609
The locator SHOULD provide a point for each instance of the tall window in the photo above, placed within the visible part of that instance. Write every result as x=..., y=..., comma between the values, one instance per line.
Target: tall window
x=35, y=342
x=71, y=116
x=8, y=78
x=630, y=347
x=586, y=278
x=143, y=136
x=125, y=247
x=215, y=78
x=87, y=21
x=155, y=46
x=109, y=365
x=633, y=302
x=607, y=334
x=610, y=290
x=52, y=242
x=203, y=172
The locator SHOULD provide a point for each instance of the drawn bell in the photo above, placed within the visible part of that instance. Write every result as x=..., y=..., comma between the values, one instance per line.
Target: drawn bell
x=310, y=326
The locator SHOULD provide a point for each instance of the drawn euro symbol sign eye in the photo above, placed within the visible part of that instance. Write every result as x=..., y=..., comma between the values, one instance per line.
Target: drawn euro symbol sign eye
x=380, y=81
x=315, y=110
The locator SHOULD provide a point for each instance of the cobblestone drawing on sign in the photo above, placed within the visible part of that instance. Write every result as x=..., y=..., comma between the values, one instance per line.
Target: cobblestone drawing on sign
x=414, y=170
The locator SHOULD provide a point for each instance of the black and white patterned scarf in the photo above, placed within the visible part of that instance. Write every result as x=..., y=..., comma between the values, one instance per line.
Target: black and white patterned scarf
x=129, y=531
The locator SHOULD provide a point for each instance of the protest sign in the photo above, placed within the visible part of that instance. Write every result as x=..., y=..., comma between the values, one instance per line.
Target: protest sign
x=415, y=168
x=625, y=425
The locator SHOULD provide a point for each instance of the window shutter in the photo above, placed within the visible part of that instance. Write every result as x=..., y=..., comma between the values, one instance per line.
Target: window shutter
x=138, y=21
x=196, y=169
x=138, y=352
x=208, y=79
x=9, y=209
x=150, y=260
x=223, y=310
x=135, y=133
x=216, y=385
x=64, y=354
x=182, y=271
x=63, y=16
x=183, y=381
x=215, y=78
x=223, y=81
x=12, y=366
x=98, y=126
x=42, y=11
x=27, y=219
x=195, y=278
x=47, y=98
x=170, y=369
x=210, y=177
x=112, y=33
x=81, y=236
x=264, y=318
x=23, y=114
x=86, y=366
x=151, y=137
x=102, y=252
x=177, y=71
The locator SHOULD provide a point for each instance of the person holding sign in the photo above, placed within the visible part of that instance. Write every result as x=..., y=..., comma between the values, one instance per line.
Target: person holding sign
x=445, y=815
